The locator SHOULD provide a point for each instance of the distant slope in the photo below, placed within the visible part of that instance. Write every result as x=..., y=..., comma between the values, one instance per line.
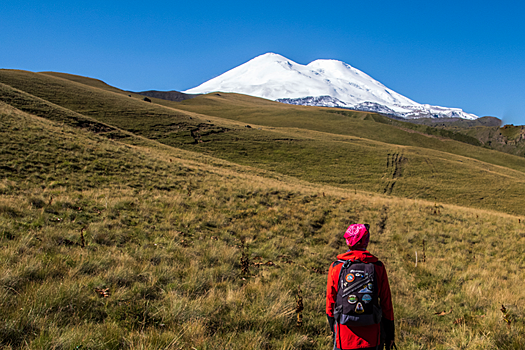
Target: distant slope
x=337, y=121
x=175, y=96
x=458, y=122
x=34, y=105
x=487, y=130
x=84, y=80
x=165, y=95
x=352, y=150
x=103, y=103
x=482, y=131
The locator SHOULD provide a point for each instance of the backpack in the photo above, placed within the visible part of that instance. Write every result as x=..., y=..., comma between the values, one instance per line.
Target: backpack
x=357, y=300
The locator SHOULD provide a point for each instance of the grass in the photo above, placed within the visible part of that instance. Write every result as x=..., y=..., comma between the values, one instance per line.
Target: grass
x=195, y=251
x=347, y=149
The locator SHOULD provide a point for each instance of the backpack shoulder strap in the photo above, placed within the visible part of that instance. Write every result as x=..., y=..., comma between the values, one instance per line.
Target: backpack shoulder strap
x=347, y=262
x=338, y=262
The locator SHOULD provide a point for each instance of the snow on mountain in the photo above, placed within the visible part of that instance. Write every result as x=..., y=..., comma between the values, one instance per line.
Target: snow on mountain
x=327, y=83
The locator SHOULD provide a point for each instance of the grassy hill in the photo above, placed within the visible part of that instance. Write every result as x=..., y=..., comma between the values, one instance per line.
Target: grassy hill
x=336, y=147
x=487, y=130
x=119, y=229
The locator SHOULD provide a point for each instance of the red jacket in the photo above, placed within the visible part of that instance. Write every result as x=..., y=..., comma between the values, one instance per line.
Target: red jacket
x=366, y=336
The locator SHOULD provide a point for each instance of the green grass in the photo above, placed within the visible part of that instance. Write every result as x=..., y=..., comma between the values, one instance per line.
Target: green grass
x=336, y=147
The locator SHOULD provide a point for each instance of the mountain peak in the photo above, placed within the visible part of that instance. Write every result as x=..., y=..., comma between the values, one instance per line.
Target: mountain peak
x=270, y=56
x=275, y=77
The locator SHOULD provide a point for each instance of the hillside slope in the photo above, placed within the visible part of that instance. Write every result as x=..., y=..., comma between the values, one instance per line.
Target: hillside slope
x=487, y=130
x=340, y=148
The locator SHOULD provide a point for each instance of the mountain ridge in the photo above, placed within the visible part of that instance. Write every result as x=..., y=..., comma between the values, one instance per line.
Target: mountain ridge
x=275, y=77
x=172, y=95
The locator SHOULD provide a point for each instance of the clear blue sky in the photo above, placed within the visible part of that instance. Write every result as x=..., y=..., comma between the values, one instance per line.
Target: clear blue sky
x=466, y=54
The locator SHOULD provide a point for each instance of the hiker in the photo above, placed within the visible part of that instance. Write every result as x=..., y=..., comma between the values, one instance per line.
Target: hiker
x=358, y=300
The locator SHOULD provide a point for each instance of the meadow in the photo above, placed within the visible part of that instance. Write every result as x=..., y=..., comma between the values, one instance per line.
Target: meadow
x=112, y=238
x=350, y=150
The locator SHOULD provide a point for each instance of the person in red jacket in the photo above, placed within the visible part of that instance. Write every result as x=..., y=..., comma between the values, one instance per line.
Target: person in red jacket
x=375, y=336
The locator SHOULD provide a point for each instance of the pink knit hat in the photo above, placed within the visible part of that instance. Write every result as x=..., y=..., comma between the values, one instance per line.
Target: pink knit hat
x=355, y=233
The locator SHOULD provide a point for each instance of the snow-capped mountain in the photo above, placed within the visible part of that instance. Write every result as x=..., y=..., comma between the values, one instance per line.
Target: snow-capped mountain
x=327, y=83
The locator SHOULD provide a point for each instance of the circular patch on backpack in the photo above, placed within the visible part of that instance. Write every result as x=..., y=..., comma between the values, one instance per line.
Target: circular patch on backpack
x=350, y=278
x=370, y=286
x=352, y=299
x=367, y=298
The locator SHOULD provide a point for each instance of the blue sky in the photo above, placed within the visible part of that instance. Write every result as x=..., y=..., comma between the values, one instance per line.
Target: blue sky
x=466, y=54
